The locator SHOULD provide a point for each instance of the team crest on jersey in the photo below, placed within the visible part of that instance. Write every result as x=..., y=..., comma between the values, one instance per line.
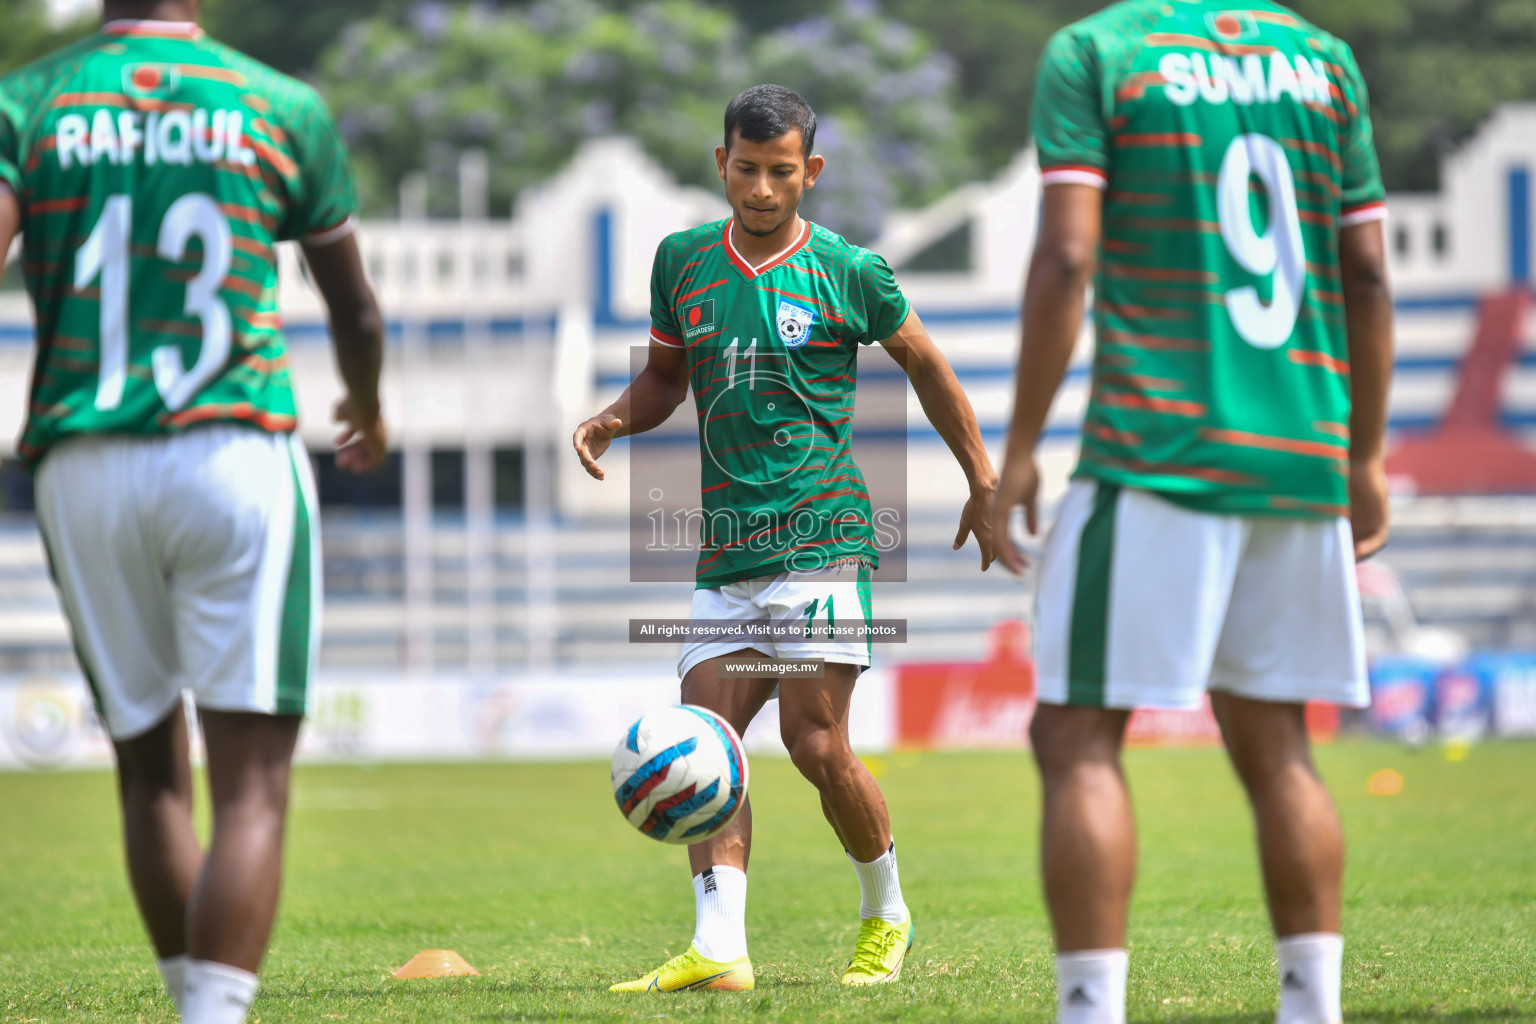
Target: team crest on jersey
x=154, y=81
x=1233, y=26
x=698, y=318
x=794, y=322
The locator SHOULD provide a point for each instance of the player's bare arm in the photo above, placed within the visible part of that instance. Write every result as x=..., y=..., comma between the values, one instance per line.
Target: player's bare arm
x=1066, y=252
x=1368, y=316
x=949, y=410
x=357, y=330
x=10, y=224
x=645, y=405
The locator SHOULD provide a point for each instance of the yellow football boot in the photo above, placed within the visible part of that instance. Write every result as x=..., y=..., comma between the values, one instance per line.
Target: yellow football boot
x=691, y=972
x=879, y=953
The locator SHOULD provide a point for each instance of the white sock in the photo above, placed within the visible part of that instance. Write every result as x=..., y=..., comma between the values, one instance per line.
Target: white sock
x=881, y=888
x=217, y=993
x=1309, y=978
x=174, y=970
x=1090, y=986
x=720, y=900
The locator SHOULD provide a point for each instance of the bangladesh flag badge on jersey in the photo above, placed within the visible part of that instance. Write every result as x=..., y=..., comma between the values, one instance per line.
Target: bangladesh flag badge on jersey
x=1233, y=26
x=698, y=318
x=151, y=81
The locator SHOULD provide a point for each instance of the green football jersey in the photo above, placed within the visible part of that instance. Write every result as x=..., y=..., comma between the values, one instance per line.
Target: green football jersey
x=156, y=170
x=773, y=360
x=1233, y=144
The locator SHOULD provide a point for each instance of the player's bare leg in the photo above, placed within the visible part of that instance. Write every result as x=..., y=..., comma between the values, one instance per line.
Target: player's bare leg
x=249, y=761
x=1087, y=835
x=813, y=722
x=737, y=700
x=1087, y=855
x=717, y=956
x=154, y=779
x=1301, y=849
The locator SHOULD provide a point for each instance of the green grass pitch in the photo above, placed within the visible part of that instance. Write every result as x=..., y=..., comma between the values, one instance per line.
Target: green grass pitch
x=530, y=873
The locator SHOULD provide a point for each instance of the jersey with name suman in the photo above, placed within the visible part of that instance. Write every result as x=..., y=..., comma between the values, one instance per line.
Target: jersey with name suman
x=772, y=356
x=1233, y=143
x=156, y=170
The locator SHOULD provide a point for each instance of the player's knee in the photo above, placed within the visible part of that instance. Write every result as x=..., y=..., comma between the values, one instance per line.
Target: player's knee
x=815, y=751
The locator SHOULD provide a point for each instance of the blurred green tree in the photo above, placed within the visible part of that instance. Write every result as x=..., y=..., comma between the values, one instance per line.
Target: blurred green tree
x=528, y=86
x=25, y=33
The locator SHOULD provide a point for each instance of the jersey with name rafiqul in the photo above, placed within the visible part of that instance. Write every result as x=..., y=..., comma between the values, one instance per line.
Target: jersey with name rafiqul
x=772, y=356
x=156, y=171
x=1233, y=143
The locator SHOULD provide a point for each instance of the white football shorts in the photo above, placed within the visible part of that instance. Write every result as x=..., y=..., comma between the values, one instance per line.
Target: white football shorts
x=839, y=593
x=186, y=562
x=1144, y=603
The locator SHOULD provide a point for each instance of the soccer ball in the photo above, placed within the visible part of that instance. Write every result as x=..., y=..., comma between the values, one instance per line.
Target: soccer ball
x=679, y=775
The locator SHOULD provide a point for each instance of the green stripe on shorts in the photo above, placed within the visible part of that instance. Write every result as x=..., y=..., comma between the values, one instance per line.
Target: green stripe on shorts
x=867, y=603
x=1088, y=653
x=298, y=615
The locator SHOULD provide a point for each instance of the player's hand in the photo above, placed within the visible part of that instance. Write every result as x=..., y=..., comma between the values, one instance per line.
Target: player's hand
x=592, y=438
x=362, y=443
x=1020, y=485
x=976, y=518
x=1369, y=509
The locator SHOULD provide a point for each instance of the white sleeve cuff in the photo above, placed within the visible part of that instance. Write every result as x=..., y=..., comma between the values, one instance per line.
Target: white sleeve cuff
x=331, y=235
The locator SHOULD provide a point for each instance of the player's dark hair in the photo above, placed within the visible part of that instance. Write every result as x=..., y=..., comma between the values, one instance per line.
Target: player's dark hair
x=766, y=112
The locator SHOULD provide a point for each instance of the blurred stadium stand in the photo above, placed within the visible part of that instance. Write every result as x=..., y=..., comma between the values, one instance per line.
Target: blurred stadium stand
x=484, y=544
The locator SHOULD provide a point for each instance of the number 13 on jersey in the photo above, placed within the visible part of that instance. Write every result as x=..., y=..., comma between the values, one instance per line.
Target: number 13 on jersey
x=106, y=254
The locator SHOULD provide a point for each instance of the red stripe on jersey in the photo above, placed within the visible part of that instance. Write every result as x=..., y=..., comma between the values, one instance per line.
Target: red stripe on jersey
x=242, y=286
x=90, y=99
x=715, y=487
x=1109, y=435
x=1136, y=85
x=1148, y=312
x=700, y=291
x=665, y=338
x=1140, y=198
x=1316, y=507
x=1163, y=224
x=1313, y=149
x=1202, y=43
x=179, y=328
x=1218, y=476
x=1332, y=298
x=1244, y=439
x=1141, y=382
x=1339, y=430
x=1154, y=342
x=1327, y=362
x=1275, y=18
x=1121, y=245
x=1159, y=273
x=234, y=410
x=211, y=74
x=1151, y=403
x=57, y=206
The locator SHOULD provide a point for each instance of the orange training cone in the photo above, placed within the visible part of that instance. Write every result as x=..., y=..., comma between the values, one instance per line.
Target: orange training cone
x=436, y=963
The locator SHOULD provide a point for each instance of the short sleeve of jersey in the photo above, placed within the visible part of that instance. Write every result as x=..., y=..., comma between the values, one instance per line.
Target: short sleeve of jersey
x=885, y=308
x=326, y=198
x=1070, y=131
x=1363, y=198
x=664, y=328
x=10, y=145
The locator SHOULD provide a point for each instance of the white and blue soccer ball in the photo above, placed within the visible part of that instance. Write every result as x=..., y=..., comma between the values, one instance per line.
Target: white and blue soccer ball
x=679, y=774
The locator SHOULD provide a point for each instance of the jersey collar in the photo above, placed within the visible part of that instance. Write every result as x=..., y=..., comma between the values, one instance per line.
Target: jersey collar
x=748, y=270
x=152, y=29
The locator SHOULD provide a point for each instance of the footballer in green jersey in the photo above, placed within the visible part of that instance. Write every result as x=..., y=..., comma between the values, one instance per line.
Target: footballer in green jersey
x=762, y=316
x=157, y=170
x=1208, y=166
x=150, y=173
